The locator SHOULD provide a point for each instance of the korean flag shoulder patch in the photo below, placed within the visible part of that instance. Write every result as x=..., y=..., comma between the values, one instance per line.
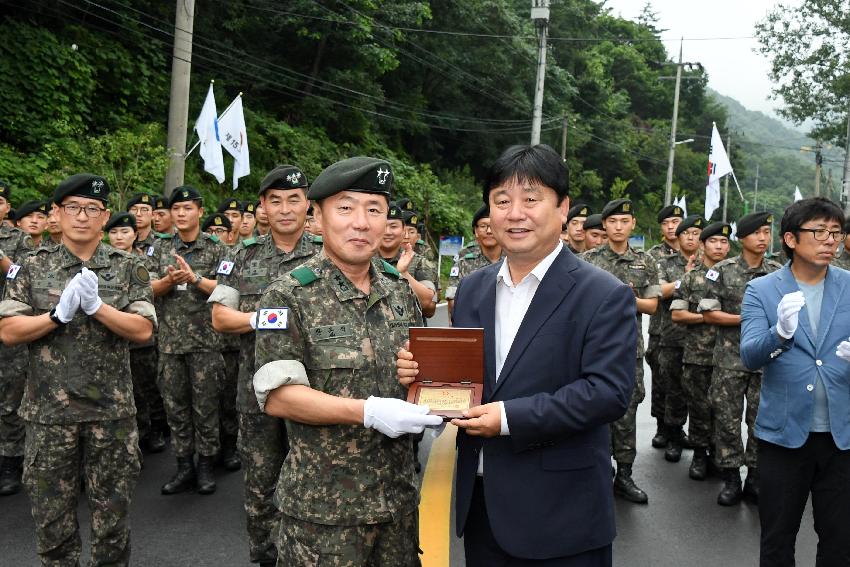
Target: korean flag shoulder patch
x=150, y=250
x=13, y=271
x=225, y=268
x=712, y=275
x=455, y=272
x=273, y=319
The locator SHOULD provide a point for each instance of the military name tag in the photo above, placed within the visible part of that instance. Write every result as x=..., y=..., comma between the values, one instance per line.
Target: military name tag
x=272, y=319
x=13, y=271
x=225, y=268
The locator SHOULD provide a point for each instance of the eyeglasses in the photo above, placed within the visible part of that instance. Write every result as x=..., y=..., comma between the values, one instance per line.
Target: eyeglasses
x=822, y=234
x=74, y=209
x=483, y=227
x=218, y=230
x=140, y=210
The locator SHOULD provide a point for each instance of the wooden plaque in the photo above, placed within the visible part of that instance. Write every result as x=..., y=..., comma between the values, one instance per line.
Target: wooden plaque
x=451, y=369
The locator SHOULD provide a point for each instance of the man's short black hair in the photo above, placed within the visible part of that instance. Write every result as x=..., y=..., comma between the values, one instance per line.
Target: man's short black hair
x=802, y=212
x=540, y=164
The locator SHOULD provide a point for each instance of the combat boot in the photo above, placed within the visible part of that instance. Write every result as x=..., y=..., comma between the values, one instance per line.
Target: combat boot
x=626, y=488
x=731, y=493
x=156, y=438
x=206, y=479
x=660, y=439
x=229, y=456
x=751, y=485
x=184, y=479
x=10, y=475
x=699, y=464
x=674, y=444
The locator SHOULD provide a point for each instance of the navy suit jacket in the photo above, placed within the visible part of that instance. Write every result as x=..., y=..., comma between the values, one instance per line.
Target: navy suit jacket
x=570, y=372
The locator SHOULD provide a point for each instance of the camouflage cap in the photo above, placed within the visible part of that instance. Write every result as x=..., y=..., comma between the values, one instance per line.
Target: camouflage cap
x=216, y=219
x=670, y=211
x=31, y=207
x=360, y=174
x=580, y=210
x=140, y=199
x=394, y=212
x=185, y=193
x=483, y=212
x=230, y=205
x=618, y=207
x=593, y=222
x=693, y=221
x=284, y=177
x=715, y=229
x=411, y=218
x=121, y=220
x=750, y=223
x=85, y=185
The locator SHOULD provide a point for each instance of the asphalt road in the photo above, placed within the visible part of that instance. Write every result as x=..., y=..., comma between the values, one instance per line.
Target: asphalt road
x=682, y=525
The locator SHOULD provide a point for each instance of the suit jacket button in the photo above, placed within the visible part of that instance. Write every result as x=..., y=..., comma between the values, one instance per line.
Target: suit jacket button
x=810, y=387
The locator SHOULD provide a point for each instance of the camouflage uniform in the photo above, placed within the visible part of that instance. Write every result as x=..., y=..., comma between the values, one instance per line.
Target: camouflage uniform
x=697, y=358
x=344, y=488
x=263, y=444
x=421, y=248
x=670, y=342
x=659, y=253
x=78, y=405
x=731, y=382
x=190, y=362
x=15, y=244
x=842, y=261
x=420, y=268
x=636, y=269
x=466, y=263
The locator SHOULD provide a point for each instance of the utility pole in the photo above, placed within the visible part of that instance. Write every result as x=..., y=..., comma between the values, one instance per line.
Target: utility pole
x=540, y=17
x=726, y=177
x=756, y=196
x=845, y=191
x=668, y=190
x=564, y=140
x=178, y=109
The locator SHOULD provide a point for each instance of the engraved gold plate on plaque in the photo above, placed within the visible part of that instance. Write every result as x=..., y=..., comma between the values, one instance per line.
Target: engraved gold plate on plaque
x=445, y=399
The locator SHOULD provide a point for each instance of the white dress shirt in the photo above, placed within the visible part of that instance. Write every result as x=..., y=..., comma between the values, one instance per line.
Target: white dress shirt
x=512, y=302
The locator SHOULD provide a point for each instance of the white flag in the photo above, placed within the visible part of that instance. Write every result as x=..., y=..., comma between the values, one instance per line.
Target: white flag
x=234, y=139
x=797, y=195
x=734, y=235
x=207, y=129
x=683, y=206
x=718, y=166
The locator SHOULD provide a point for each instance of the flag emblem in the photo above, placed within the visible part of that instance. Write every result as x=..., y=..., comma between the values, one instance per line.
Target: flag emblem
x=13, y=271
x=273, y=319
x=225, y=268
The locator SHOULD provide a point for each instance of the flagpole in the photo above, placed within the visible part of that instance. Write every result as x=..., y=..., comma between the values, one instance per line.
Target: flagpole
x=738, y=186
x=220, y=116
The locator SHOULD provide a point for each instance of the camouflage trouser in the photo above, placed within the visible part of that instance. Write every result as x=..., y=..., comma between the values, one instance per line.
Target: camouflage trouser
x=659, y=388
x=263, y=446
x=675, y=402
x=227, y=394
x=13, y=377
x=189, y=384
x=696, y=381
x=109, y=453
x=729, y=388
x=392, y=544
x=624, y=430
x=149, y=406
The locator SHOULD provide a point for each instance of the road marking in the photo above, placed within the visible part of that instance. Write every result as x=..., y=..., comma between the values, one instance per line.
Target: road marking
x=436, y=501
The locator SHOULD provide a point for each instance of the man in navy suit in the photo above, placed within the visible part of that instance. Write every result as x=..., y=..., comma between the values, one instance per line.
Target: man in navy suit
x=795, y=325
x=533, y=483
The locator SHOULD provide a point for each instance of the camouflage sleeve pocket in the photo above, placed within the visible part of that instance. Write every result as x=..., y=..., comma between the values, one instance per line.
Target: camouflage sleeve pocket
x=329, y=357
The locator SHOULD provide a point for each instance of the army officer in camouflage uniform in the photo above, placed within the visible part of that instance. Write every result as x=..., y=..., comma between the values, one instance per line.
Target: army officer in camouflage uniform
x=77, y=305
x=483, y=252
x=242, y=279
x=326, y=341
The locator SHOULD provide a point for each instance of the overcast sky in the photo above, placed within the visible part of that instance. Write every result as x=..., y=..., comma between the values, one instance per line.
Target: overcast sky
x=734, y=68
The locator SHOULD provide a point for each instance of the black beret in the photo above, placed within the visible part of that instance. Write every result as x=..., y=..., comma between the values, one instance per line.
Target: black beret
x=11, y=215
x=29, y=208
x=249, y=207
x=361, y=174
x=120, y=220
x=216, y=219
x=160, y=202
x=670, y=211
x=184, y=193
x=752, y=222
x=693, y=221
x=593, y=221
x=394, y=212
x=618, y=207
x=140, y=199
x=715, y=229
x=580, y=210
x=481, y=213
x=310, y=210
x=420, y=228
x=85, y=185
x=284, y=177
x=5, y=191
x=405, y=204
x=230, y=205
x=411, y=218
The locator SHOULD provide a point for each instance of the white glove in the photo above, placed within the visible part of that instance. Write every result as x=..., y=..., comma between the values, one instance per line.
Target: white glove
x=253, y=321
x=69, y=301
x=394, y=417
x=788, y=313
x=89, y=299
x=843, y=350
